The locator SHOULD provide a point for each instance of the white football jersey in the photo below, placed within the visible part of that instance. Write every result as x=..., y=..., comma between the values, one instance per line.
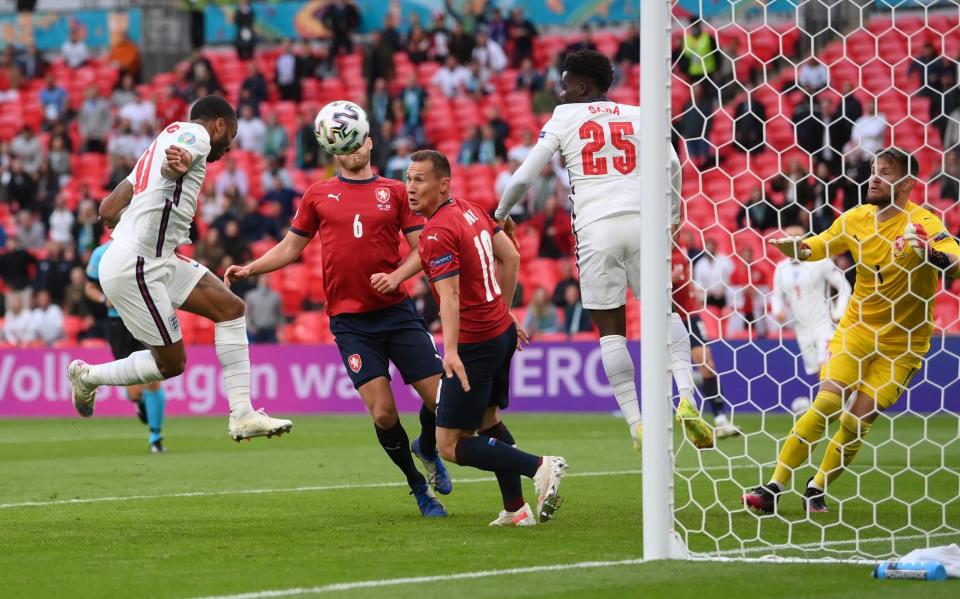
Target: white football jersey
x=801, y=288
x=600, y=144
x=161, y=211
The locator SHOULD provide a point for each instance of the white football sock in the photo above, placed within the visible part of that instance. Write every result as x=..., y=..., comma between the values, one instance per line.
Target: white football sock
x=680, y=357
x=618, y=365
x=233, y=351
x=136, y=369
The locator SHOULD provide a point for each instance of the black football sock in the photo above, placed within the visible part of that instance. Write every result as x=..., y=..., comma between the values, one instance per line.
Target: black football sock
x=511, y=488
x=395, y=442
x=710, y=388
x=428, y=432
x=491, y=455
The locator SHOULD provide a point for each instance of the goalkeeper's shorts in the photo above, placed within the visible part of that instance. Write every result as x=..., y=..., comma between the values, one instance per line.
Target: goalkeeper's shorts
x=857, y=364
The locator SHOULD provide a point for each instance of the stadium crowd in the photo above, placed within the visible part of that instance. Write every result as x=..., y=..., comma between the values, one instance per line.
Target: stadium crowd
x=87, y=118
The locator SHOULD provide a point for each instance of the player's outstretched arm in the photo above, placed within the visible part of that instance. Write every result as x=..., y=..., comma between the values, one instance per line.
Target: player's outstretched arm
x=523, y=178
x=938, y=248
x=276, y=258
x=387, y=283
x=448, y=289
x=115, y=203
x=792, y=247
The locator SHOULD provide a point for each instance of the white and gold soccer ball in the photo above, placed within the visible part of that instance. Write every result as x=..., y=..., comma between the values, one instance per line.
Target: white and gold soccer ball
x=341, y=127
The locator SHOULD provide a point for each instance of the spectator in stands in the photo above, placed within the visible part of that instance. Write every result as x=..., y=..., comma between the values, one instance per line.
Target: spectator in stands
x=209, y=251
x=392, y=39
x=48, y=185
x=575, y=318
x=868, y=135
x=308, y=150
x=246, y=38
x=399, y=160
x=125, y=56
x=47, y=319
x=584, y=42
x=235, y=245
x=520, y=151
x=201, y=73
x=414, y=98
x=811, y=127
x=789, y=211
x=950, y=177
x=289, y=68
x=461, y=44
x=141, y=112
x=847, y=112
x=53, y=272
x=439, y=38
x=426, y=304
x=695, y=126
x=125, y=92
x=341, y=18
x=21, y=187
x=280, y=194
x=501, y=127
x=30, y=231
x=951, y=134
x=379, y=102
x=87, y=229
x=547, y=98
x=58, y=159
x=255, y=83
x=418, y=44
x=522, y=210
x=18, y=326
x=748, y=292
x=929, y=67
x=74, y=50
x=170, y=107
x=541, y=314
x=478, y=82
x=15, y=266
x=401, y=127
x=31, y=62
x=823, y=195
x=628, y=51
x=124, y=143
x=750, y=118
x=381, y=152
x=566, y=281
x=259, y=222
x=246, y=99
x=264, y=312
x=711, y=273
x=555, y=228
x=522, y=32
x=251, y=131
x=26, y=146
x=319, y=62
x=451, y=78
x=945, y=101
x=377, y=60
x=489, y=53
x=95, y=121
x=232, y=177
x=75, y=302
x=529, y=79
x=813, y=76
x=61, y=222
x=497, y=27
x=276, y=141
x=699, y=53
x=481, y=147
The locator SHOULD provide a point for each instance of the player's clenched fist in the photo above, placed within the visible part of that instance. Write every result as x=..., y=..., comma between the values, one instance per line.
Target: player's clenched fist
x=792, y=247
x=235, y=273
x=385, y=283
x=177, y=160
x=452, y=365
x=916, y=237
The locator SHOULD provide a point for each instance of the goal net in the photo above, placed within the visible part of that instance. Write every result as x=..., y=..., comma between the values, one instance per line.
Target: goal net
x=778, y=111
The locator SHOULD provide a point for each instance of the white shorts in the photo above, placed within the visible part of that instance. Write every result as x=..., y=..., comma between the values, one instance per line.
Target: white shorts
x=147, y=291
x=815, y=348
x=608, y=254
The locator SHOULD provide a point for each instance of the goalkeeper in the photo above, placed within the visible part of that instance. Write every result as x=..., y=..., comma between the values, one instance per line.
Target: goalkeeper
x=900, y=251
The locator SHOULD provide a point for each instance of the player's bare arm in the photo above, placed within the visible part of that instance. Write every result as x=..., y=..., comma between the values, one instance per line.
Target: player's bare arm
x=449, y=291
x=115, y=203
x=792, y=247
x=176, y=163
x=276, y=258
x=387, y=283
x=508, y=269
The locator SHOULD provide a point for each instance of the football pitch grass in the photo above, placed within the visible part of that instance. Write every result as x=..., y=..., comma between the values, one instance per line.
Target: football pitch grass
x=86, y=512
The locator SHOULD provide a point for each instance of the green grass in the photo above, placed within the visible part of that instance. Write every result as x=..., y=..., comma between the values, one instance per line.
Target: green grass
x=300, y=532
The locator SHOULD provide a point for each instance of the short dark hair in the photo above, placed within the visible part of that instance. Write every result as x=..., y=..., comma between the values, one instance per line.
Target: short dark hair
x=907, y=162
x=592, y=65
x=209, y=108
x=441, y=166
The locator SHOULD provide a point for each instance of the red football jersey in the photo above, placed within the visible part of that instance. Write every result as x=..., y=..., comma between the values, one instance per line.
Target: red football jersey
x=359, y=223
x=684, y=294
x=458, y=240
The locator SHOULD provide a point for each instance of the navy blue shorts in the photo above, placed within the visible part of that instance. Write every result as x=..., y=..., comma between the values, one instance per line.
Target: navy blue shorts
x=488, y=369
x=369, y=341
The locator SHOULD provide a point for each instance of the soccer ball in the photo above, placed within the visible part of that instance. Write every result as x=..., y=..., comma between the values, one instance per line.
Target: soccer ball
x=341, y=127
x=800, y=405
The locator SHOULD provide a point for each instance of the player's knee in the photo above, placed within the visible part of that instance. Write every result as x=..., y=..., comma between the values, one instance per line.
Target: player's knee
x=448, y=449
x=172, y=368
x=232, y=310
x=384, y=417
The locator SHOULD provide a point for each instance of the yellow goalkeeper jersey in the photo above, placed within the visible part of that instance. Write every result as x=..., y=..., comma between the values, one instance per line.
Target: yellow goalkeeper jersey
x=893, y=295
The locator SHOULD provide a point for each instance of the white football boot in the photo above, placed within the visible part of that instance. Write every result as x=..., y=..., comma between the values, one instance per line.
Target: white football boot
x=522, y=517
x=84, y=398
x=547, y=483
x=256, y=424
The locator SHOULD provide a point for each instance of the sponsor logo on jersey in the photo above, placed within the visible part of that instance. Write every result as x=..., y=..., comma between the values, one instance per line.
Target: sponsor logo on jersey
x=355, y=363
x=187, y=138
x=335, y=196
x=383, y=198
x=174, y=323
x=441, y=260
